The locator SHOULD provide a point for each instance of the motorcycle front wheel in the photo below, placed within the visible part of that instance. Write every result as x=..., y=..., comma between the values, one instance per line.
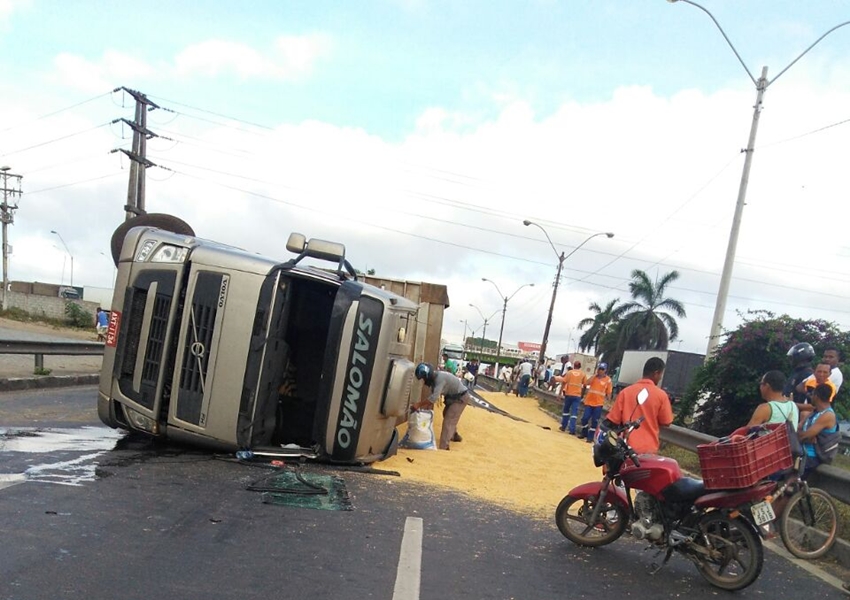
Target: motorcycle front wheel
x=573, y=519
x=730, y=555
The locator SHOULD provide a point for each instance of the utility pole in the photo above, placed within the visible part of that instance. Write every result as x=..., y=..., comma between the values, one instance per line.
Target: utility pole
x=138, y=162
x=7, y=216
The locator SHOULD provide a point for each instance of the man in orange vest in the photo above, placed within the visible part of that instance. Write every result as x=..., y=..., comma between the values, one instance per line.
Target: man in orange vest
x=573, y=386
x=599, y=389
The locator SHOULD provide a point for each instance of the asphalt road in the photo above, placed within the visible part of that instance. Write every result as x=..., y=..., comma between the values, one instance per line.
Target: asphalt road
x=89, y=513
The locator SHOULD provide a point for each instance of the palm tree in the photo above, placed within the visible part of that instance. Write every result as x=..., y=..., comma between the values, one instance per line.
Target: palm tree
x=646, y=321
x=598, y=325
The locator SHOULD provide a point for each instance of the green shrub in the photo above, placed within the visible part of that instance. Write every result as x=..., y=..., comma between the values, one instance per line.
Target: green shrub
x=77, y=316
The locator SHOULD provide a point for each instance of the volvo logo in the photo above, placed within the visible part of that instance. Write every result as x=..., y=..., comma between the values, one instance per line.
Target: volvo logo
x=197, y=350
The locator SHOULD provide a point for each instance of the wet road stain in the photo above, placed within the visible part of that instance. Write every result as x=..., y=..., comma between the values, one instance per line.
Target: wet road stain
x=69, y=455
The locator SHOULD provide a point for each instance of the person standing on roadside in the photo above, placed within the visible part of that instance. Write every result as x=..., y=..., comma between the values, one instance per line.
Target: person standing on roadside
x=801, y=356
x=449, y=364
x=821, y=419
x=101, y=324
x=655, y=409
x=455, y=395
x=599, y=390
x=525, y=371
x=776, y=407
x=807, y=387
x=505, y=376
x=573, y=386
x=472, y=367
x=540, y=374
x=832, y=357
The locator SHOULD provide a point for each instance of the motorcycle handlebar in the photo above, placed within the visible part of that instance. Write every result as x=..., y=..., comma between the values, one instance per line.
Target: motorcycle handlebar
x=627, y=426
x=633, y=455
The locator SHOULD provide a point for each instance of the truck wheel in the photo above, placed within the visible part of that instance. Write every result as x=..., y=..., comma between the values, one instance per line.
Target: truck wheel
x=159, y=220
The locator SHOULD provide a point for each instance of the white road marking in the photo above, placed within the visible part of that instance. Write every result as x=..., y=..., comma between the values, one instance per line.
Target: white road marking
x=10, y=479
x=407, y=579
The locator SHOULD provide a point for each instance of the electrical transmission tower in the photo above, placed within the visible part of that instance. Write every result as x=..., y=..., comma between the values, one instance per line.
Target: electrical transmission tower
x=138, y=162
x=11, y=194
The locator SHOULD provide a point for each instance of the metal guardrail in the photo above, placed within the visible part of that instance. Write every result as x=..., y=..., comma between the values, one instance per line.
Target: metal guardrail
x=832, y=479
x=39, y=349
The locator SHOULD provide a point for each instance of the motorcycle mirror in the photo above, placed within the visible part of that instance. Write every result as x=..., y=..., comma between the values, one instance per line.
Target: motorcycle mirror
x=642, y=396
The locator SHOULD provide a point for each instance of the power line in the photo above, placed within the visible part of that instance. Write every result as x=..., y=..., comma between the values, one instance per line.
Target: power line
x=58, y=139
x=65, y=185
x=802, y=135
x=55, y=112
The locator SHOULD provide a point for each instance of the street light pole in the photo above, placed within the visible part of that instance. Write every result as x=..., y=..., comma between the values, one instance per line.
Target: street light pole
x=505, y=299
x=464, y=338
x=761, y=87
x=486, y=320
x=561, y=259
x=69, y=254
x=7, y=217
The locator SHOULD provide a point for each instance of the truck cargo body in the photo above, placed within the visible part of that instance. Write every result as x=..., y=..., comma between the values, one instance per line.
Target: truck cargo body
x=679, y=369
x=212, y=345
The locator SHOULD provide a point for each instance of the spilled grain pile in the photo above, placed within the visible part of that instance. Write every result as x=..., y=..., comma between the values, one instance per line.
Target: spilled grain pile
x=520, y=466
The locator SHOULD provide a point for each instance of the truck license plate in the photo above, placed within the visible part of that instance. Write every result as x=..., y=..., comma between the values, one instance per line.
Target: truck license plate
x=112, y=329
x=763, y=513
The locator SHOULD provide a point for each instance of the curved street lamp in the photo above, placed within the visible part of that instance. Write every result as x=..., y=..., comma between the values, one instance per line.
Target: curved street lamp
x=561, y=259
x=486, y=320
x=69, y=254
x=505, y=299
x=761, y=87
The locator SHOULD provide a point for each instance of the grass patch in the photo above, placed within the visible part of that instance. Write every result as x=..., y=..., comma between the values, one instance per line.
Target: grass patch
x=22, y=316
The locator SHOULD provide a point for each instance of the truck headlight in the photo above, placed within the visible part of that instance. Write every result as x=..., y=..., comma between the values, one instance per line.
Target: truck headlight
x=165, y=253
x=170, y=254
x=140, y=421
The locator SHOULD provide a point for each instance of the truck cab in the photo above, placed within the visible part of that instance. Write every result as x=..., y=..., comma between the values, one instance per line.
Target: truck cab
x=212, y=345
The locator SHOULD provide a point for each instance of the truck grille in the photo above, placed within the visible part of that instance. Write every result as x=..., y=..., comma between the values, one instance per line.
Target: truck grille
x=200, y=326
x=131, y=337
x=156, y=341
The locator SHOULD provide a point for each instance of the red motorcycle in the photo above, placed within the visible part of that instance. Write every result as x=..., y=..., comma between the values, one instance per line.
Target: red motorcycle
x=672, y=512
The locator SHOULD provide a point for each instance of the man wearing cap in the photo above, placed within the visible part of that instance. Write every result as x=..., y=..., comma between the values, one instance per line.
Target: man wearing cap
x=599, y=389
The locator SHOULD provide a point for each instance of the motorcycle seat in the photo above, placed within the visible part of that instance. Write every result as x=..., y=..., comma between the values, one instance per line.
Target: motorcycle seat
x=686, y=489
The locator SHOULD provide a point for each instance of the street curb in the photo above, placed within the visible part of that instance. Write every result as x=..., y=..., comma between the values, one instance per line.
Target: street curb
x=13, y=384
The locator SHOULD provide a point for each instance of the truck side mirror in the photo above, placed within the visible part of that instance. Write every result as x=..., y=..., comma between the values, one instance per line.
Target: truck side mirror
x=296, y=243
x=324, y=250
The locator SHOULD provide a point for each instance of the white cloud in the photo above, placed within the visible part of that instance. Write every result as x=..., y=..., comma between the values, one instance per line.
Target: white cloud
x=113, y=68
x=7, y=7
x=660, y=172
x=290, y=58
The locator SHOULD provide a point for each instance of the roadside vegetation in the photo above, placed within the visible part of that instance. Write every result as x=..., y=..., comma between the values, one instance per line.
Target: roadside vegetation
x=76, y=317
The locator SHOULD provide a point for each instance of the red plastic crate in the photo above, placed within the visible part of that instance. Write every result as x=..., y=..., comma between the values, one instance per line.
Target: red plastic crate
x=734, y=465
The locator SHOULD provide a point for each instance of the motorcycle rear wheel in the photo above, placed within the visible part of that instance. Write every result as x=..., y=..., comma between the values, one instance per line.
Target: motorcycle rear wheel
x=573, y=514
x=735, y=555
x=809, y=523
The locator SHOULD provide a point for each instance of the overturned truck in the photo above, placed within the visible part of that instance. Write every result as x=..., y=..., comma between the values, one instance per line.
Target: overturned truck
x=212, y=345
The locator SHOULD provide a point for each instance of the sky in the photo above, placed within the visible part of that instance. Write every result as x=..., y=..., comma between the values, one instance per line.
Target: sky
x=421, y=134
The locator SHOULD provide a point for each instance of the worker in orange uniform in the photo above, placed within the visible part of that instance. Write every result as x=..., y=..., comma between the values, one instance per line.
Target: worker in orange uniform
x=573, y=386
x=644, y=399
x=599, y=390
